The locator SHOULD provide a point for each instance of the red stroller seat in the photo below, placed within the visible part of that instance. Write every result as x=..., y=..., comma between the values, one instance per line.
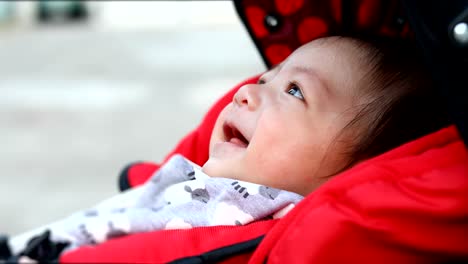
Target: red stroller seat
x=406, y=206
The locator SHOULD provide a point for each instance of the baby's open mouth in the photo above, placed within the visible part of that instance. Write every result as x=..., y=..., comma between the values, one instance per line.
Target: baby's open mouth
x=234, y=136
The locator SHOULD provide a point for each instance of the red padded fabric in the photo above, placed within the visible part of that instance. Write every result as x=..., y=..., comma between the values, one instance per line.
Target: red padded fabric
x=169, y=245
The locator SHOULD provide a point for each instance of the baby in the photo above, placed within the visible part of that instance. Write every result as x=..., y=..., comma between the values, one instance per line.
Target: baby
x=330, y=105
x=284, y=131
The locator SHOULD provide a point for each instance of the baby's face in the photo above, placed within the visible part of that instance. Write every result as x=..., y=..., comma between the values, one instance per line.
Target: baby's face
x=282, y=131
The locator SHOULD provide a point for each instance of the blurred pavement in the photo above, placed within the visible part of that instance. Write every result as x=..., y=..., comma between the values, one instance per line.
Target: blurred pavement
x=78, y=102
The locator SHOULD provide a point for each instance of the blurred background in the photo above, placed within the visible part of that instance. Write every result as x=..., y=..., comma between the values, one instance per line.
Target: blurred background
x=87, y=87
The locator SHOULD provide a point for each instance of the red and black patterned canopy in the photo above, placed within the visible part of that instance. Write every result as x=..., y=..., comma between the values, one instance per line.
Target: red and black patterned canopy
x=280, y=26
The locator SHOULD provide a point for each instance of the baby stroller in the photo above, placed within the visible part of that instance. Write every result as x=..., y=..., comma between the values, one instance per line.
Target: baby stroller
x=408, y=205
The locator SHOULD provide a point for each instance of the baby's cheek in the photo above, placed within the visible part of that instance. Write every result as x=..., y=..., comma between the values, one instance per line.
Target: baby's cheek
x=263, y=168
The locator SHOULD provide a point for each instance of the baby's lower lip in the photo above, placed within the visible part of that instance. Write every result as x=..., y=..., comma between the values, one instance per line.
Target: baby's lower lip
x=238, y=142
x=232, y=144
x=226, y=149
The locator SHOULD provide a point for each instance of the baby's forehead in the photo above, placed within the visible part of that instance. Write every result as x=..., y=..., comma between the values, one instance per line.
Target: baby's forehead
x=325, y=56
x=334, y=51
x=318, y=44
x=333, y=44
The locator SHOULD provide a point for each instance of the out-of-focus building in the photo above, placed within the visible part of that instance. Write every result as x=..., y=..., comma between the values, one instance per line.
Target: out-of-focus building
x=27, y=13
x=6, y=11
x=119, y=15
x=65, y=10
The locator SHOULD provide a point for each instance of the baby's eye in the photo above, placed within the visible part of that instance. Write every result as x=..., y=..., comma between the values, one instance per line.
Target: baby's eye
x=261, y=81
x=294, y=90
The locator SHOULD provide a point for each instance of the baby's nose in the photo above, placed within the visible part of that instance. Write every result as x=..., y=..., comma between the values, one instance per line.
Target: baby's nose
x=248, y=95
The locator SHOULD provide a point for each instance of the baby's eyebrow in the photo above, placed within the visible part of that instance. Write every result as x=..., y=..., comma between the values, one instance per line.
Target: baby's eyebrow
x=273, y=71
x=276, y=68
x=304, y=69
x=314, y=74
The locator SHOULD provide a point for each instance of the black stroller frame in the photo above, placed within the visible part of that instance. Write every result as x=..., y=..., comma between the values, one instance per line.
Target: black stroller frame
x=441, y=29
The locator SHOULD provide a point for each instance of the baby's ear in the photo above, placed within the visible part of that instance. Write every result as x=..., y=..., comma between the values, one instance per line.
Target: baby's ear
x=188, y=189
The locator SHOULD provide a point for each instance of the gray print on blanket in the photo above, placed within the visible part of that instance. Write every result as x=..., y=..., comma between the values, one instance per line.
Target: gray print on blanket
x=179, y=196
x=199, y=194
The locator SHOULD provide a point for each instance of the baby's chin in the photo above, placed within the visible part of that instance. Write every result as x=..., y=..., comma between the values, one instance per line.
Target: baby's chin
x=217, y=168
x=207, y=168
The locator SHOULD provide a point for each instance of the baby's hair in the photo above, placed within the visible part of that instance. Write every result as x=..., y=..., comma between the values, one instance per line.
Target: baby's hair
x=404, y=103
